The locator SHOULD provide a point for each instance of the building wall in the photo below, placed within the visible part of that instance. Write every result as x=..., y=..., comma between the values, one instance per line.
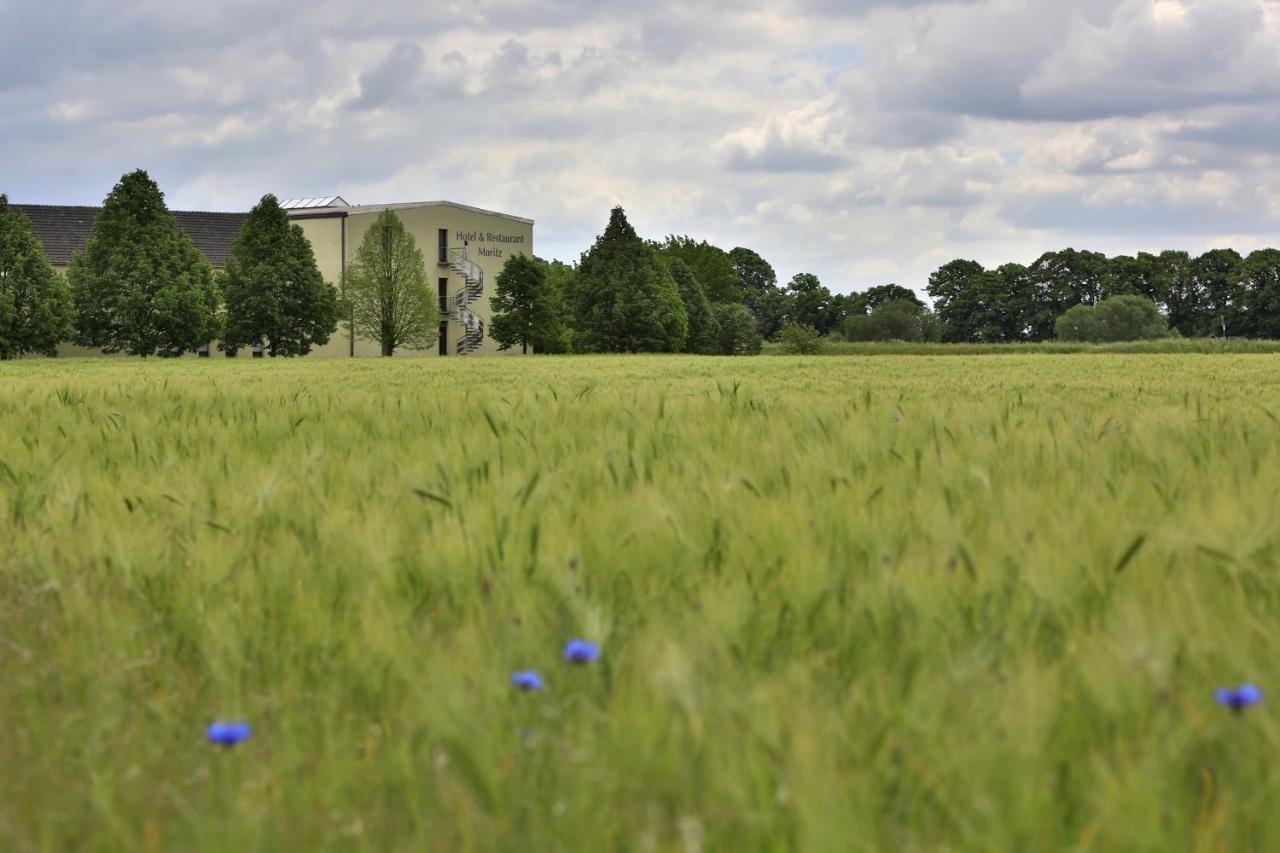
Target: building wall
x=489, y=240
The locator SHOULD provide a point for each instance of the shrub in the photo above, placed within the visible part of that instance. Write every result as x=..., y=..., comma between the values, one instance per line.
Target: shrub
x=800, y=339
x=737, y=333
x=1117, y=318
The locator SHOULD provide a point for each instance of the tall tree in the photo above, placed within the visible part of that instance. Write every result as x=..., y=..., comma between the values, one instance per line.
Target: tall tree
x=560, y=277
x=704, y=331
x=273, y=289
x=36, y=310
x=1259, y=276
x=525, y=309
x=386, y=286
x=712, y=266
x=811, y=302
x=956, y=299
x=141, y=286
x=624, y=298
x=1223, y=301
x=1064, y=279
x=758, y=286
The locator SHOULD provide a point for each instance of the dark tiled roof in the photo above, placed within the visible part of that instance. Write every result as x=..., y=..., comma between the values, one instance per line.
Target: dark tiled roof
x=64, y=230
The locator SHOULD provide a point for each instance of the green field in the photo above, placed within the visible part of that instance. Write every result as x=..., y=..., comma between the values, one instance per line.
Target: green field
x=891, y=603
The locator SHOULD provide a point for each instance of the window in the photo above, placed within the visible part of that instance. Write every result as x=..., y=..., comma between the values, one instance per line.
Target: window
x=443, y=237
x=444, y=338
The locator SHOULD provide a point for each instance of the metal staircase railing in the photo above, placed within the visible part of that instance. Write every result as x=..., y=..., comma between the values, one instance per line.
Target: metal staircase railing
x=472, y=290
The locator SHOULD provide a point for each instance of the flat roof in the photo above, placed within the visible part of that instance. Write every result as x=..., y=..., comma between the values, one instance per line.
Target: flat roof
x=307, y=213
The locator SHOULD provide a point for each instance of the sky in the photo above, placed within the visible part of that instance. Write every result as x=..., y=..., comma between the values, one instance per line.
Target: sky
x=865, y=141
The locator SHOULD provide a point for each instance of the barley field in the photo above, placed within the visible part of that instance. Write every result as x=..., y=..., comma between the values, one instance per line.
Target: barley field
x=841, y=603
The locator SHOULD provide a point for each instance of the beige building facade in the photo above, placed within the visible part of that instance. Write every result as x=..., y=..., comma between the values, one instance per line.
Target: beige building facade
x=464, y=248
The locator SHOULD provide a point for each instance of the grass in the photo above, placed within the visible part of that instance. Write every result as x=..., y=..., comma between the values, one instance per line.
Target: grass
x=1163, y=346
x=842, y=604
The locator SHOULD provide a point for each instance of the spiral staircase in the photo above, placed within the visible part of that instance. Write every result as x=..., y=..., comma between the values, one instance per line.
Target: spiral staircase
x=472, y=289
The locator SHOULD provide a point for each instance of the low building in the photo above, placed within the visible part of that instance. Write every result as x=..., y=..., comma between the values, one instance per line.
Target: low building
x=464, y=249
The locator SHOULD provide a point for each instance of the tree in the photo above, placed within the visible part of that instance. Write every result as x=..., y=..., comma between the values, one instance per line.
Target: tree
x=386, y=286
x=141, y=286
x=711, y=265
x=273, y=290
x=559, y=278
x=624, y=299
x=738, y=333
x=1063, y=279
x=1223, y=300
x=525, y=309
x=1259, y=277
x=758, y=286
x=704, y=332
x=36, y=309
x=811, y=303
x=956, y=300
x=1127, y=317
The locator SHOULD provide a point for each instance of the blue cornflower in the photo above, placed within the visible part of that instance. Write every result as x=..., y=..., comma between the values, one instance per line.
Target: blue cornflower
x=228, y=734
x=526, y=680
x=1238, y=698
x=580, y=651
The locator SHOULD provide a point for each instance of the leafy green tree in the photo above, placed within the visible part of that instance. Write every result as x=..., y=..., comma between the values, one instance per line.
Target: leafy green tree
x=273, y=290
x=953, y=288
x=1063, y=279
x=525, y=308
x=36, y=309
x=800, y=339
x=1259, y=277
x=1223, y=299
x=811, y=302
x=559, y=278
x=704, y=333
x=386, y=287
x=624, y=299
x=1127, y=317
x=141, y=286
x=738, y=332
x=711, y=265
x=758, y=286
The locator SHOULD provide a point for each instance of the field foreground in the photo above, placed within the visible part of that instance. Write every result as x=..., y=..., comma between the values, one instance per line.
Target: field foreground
x=891, y=603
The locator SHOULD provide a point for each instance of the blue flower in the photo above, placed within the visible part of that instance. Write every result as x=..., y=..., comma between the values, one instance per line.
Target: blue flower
x=580, y=651
x=527, y=680
x=228, y=734
x=1238, y=698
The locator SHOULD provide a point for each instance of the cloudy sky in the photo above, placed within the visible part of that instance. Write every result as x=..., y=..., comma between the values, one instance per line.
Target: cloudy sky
x=867, y=141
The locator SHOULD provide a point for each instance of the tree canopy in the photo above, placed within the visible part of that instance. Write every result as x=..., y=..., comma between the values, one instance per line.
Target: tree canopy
x=526, y=310
x=704, y=330
x=711, y=265
x=273, y=289
x=624, y=299
x=141, y=286
x=36, y=309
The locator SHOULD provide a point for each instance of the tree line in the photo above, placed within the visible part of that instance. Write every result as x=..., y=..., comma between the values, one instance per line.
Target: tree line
x=1219, y=293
